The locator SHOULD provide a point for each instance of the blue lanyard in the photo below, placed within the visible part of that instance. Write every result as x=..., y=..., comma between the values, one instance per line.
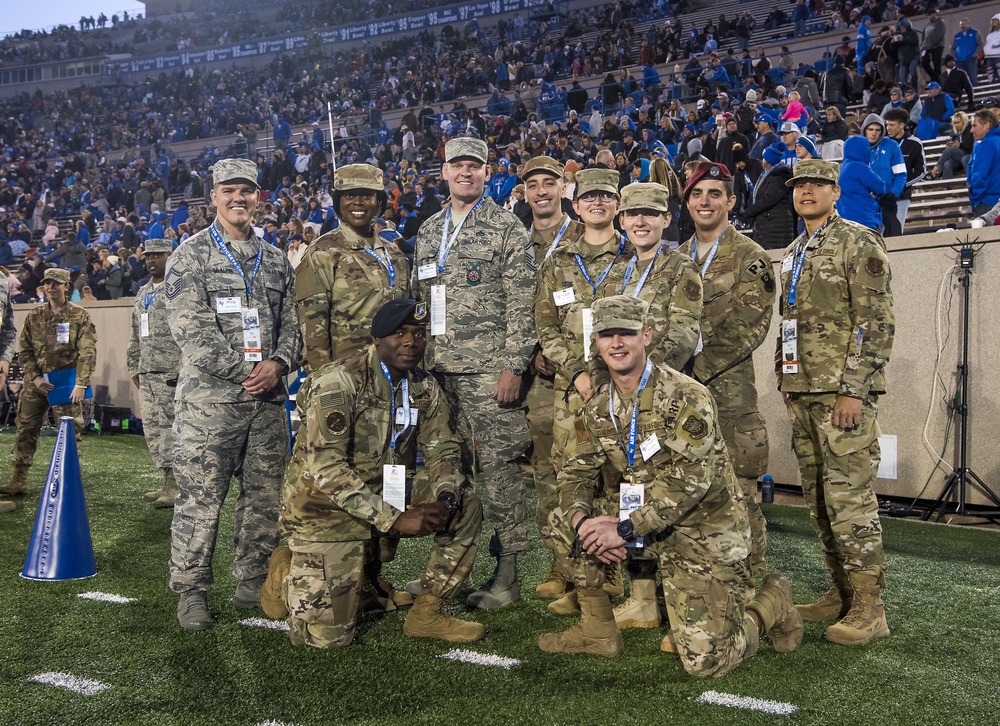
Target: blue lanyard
x=446, y=243
x=386, y=263
x=148, y=300
x=800, y=258
x=392, y=410
x=232, y=260
x=634, y=424
x=559, y=235
x=711, y=253
x=600, y=279
x=645, y=273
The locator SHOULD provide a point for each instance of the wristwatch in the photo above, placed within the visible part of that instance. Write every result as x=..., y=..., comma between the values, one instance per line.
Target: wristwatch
x=450, y=501
x=516, y=371
x=626, y=530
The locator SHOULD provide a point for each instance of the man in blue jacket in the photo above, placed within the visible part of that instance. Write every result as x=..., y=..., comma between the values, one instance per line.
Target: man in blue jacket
x=968, y=43
x=860, y=187
x=984, y=167
x=888, y=164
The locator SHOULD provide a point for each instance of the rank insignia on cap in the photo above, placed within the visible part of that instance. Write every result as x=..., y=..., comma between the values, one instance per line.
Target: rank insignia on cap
x=420, y=311
x=696, y=427
x=714, y=172
x=875, y=267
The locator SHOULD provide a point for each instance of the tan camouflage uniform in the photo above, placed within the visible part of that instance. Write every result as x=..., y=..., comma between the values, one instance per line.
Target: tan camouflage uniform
x=694, y=520
x=339, y=286
x=845, y=331
x=541, y=400
x=489, y=278
x=332, y=504
x=41, y=353
x=739, y=297
x=155, y=358
x=219, y=429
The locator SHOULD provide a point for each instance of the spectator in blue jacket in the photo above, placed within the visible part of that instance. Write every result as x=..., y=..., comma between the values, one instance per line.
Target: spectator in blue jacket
x=860, y=187
x=156, y=230
x=864, y=41
x=984, y=166
x=967, y=45
x=936, y=110
x=502, y=184
x=886, y=160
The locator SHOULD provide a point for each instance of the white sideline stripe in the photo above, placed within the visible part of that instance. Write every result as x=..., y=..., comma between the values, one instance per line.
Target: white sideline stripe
x=776, y=708
x=487, y=659
x=106, y=597
x=67, y=680
x=274, y=723
x=264, y=623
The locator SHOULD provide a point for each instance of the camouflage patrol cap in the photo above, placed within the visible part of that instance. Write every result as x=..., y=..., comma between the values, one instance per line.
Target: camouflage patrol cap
x=156, y=246
x=396, y=313
x=542, y=165
x=645, y=195
x=226, y=170
x=619, y=312
x=815, y=170
x=358, y=176
x=597, y=180
x=58, y=274
x=465, y=147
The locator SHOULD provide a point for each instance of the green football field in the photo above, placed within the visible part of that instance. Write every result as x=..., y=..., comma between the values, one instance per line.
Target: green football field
x=940, y=666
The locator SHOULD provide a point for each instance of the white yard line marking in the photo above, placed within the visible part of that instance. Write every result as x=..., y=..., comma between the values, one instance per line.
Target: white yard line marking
x=73, y=683
x=106, y=597
x=264, y=623
x=776, y=708
x=487, y=659
x=274, y=723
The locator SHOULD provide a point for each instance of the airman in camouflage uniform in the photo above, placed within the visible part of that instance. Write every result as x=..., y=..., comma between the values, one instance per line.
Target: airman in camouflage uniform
x=739, y=297
x=670, y=283
x=8, y=336
x=476, y=257
x=348, y=274
x=563, y=304
x=56, y=335
x=692, y=518
x=229, y=412
x=837, y=332
x=551, y=227
x=153, y=361
x=332, y=500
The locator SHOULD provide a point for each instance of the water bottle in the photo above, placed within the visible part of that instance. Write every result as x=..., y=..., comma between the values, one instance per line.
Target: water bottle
x=767, y=490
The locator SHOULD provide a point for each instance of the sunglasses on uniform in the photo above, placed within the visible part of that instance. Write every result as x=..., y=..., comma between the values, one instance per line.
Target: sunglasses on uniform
x=603, y=196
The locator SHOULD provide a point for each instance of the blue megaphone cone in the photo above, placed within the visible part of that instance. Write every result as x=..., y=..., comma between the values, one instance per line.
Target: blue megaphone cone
x=60, y=547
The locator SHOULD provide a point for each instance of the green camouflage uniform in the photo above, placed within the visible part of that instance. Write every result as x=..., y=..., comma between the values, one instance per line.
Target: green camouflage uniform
x=739, y=297
x=693, y=520
x=332, y=503
x=541, y=399
x=560, y=327
x=489, y=277
x=219, y=429
x=155, y=358
x=845, y=330
x=41, y=353
x=338, y=289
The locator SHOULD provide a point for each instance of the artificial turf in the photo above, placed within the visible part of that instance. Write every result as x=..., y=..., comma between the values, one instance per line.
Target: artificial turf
x=940, y=666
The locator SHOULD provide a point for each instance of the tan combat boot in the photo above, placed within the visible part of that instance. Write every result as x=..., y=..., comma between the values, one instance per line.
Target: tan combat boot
x=641, y=609
x=7, y=507
x=595, y=633
x=272, y=592
x=400, y=598
x=568, y=604
x=835, y=602
x=668, y=644
x=555, y=585
x=776, y=614
x=168, y=495
x=865, y=621
x=613, y=584
x=426, y=619
x=18, y=483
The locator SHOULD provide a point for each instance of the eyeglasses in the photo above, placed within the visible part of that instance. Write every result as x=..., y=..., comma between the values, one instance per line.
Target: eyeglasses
x=590, y=197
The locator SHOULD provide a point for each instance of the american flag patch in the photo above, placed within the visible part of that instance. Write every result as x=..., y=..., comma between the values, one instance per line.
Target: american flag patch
x=331, y=400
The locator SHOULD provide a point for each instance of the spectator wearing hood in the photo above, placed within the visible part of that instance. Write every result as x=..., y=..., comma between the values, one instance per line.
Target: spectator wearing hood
x=71, y=253
x=860, y=186
x=906, y=45
x=770, y=208
x=886, y=160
